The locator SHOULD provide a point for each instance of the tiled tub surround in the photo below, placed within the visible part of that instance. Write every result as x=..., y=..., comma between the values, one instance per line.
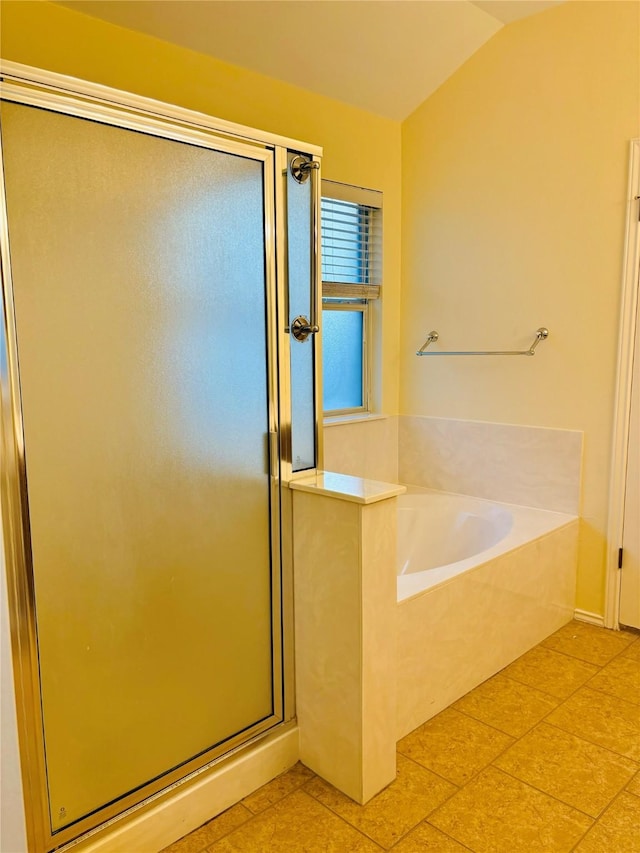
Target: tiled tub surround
x=526, y=465
x=363, y=447
x=531, y=466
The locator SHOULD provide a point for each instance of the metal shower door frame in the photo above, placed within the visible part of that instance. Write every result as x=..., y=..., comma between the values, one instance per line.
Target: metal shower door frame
x=77, y=98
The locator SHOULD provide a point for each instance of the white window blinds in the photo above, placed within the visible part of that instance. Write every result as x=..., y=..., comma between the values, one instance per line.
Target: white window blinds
x=351, y=241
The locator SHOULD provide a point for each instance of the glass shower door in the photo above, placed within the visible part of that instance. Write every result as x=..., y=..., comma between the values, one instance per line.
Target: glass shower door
x=143, y=305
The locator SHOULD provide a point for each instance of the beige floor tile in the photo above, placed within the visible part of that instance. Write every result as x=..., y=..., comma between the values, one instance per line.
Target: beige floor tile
x=206, y=835
x=278, y=788
x=552, y=672
x=495, y=813
x=454, y=745
x=394, y=811
x=427, y=839
x=633, y=651
x=617, y=831
x=620, y=677
x=634, y=785
x=296, y=824
x=588, y=642
x=507, y=705
x=605, y=720
x=573, y=770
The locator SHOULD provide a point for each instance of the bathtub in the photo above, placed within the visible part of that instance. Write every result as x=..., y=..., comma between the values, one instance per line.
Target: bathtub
x=442, y=535
x=479, y=584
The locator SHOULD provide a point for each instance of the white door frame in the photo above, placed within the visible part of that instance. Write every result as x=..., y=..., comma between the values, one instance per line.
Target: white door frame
x=622, y=410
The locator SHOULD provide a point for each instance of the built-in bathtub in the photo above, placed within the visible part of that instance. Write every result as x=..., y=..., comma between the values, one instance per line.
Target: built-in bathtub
x=479, y=583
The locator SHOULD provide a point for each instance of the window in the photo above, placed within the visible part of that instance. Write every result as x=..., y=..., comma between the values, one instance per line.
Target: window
x=351, y=264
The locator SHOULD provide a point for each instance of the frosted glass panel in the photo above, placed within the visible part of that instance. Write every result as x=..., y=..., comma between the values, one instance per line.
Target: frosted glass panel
x=303, y=449
x=342, y=359
x=139, y=280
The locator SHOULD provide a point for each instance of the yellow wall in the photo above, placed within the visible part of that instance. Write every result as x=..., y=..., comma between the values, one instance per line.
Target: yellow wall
x=359, y=148
x=514, y=204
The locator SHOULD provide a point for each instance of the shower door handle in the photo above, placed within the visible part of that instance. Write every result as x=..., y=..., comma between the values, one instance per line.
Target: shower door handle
x=303, y=169
x=301, y=328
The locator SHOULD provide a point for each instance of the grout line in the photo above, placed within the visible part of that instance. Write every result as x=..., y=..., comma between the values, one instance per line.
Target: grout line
x=269, y=808
x=430, y=812
x=617, y=797
x=620, y=654
x=593, y=743
x=585, y=740
x=573, y=734
x=295, y=788
x=567, y=654
x=559, y=699
x=599, y=746
x=502, y=731
x=475, y=719
x=581, y=659
x=535, y=787
x=427, y=822
x=635, y=640
x=325, y=806
x=435, y=773
x=251, y=819
x=531, y=687
x=608, y=693
x=584, y=835
x=343, y=819
x=556, y=798
x=457, y=840
x=604, y=811
x=478, y=772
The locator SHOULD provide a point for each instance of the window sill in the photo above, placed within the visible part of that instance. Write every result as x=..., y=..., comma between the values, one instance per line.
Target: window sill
x=339, y=420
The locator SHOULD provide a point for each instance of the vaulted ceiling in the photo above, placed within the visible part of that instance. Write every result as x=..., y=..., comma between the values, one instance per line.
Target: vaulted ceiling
x=384, y=56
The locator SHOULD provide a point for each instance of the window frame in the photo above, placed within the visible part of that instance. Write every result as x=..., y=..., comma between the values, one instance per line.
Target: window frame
x=350, y=296
x=364, y=307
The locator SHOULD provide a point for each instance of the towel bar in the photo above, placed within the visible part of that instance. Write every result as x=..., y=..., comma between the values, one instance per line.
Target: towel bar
x=541, y=335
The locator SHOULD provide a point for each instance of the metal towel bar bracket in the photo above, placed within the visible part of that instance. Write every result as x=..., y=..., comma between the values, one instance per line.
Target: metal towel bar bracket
x=541, y=335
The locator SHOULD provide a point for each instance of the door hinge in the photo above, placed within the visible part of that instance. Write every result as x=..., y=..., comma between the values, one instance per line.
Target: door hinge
x=619, y=558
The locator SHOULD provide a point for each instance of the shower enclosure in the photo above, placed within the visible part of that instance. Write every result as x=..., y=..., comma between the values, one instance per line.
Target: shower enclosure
x=154, y=401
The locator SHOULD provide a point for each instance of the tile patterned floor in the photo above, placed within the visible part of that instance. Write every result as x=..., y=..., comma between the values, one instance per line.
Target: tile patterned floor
x=542, y=758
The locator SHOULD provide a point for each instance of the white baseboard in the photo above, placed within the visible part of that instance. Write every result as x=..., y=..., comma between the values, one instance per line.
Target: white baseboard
x=591, y=618
x=151, y=829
